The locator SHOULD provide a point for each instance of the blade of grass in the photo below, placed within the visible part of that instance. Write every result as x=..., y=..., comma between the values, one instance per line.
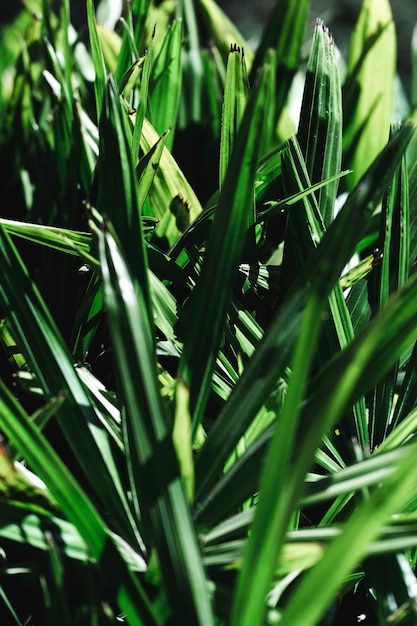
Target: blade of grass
x=98, y=59
x=166, y=82
x=320, y=125
x=271, y=520
x=143, y=99
x=236, y=93
x=256, y=573
x=272, y=355
x=76, y=506
x=305, y=228
x=260, y=377
x=128, y=52
x=223, y=31
x=156, y=484
x=192, y=63
x=117, y=187
x=234, y=216
x=147, y=168
x=284, y=33
x=347, y=377
x=391, y=274
x=407, y=394
x=347, y=550
x=49, y=359
x=169, y=186
x=368, y=93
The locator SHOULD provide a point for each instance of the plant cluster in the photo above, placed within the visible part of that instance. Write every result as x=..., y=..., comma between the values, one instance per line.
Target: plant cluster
x=208, y=404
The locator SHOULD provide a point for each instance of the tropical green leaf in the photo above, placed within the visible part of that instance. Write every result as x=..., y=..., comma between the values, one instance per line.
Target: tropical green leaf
x=222, y=30
x=283, y=33
x=173, y=201
x=267, y=537
x=368, y=93
x=158, y=496
x=98, y=59
x=236, y=92
x=350, y=546
x=49, y=359
x=166, y=83
x=320, y=125
x=234, y=217
x=75, y=505
x=391, y=274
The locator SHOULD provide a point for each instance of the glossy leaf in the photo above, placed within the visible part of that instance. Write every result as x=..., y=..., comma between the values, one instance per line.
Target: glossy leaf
x=166, y=83
x=159, y=497
x=320, y=125
x=236, y=92
x=368, y=92
x=76, y=506
x=234, y=217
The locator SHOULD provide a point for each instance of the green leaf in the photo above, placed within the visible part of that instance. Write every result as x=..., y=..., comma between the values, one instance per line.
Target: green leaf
x=98, y=59
x=133, y=35
x=391, y=274
x=49, y=359
x=284, y=33
x=271, y=519
x=211, y=297
x=347, y=550
x=236, y=93
x=110, y=43
x=253, y=388
x=75, y=505
x=192, y=66
x=393, y=579
x=320, y=125
x=147, y=168
x=64, y=240
x=407, y=394
x=172, y=199
x=117, y=187
x=183, y=440
x=368, y=92
x=130, y=78
x=157, y=489
x=305, y=228
x=166, y=82
x=223, y=31
x=273, y=353
x=22, y=526
x=341, y=382
x=336, y=247
x=143, y=99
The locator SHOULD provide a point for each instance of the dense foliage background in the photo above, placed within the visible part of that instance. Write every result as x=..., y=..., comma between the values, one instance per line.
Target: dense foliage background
x=208, y=316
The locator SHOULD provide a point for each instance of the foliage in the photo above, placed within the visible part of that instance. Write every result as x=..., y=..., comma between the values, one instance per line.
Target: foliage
x=208, y=399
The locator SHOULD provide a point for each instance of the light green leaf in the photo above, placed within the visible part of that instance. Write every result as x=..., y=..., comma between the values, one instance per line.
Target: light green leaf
x=368, y=92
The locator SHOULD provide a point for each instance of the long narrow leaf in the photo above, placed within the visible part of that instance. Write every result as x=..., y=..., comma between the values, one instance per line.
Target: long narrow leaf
x=166, y=82
x=98, y=59
x=320, y=126
x=272, y=355
x=346, y=551
x=157, y=488
x=76, y=506
x=368, y=92
x=211, y=297
x=236, y=92
x=283, y=33
x=49, y=359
